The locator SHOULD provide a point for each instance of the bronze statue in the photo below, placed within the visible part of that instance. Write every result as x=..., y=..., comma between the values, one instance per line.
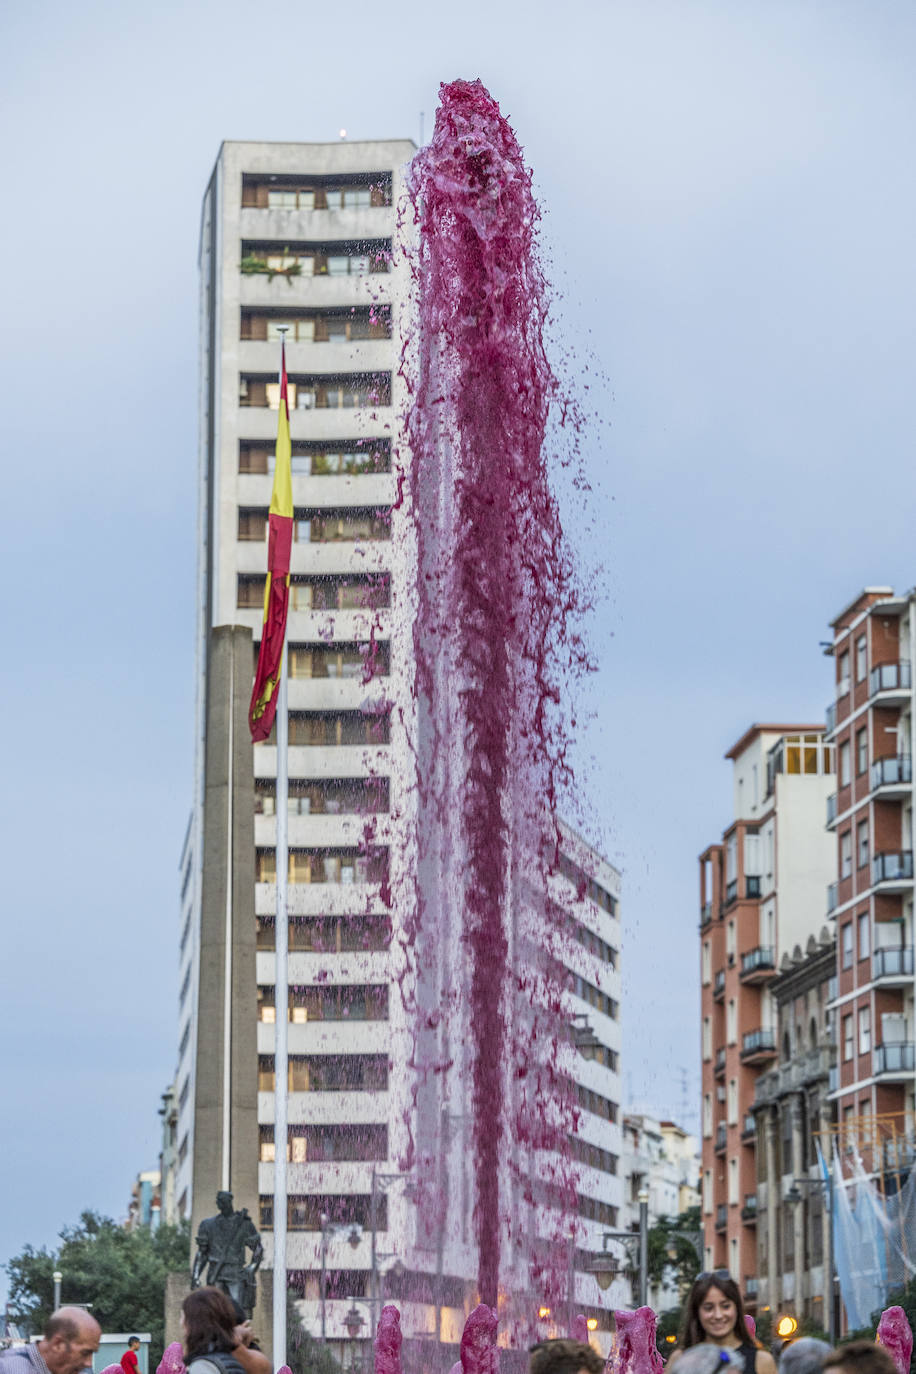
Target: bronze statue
x=221, y=1244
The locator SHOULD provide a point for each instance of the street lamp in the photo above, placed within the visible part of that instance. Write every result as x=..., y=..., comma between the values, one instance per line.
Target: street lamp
x=354, y=1321
x=58, y=1278
x=794, y=1196
x=353, y=1238
x=606, y=1267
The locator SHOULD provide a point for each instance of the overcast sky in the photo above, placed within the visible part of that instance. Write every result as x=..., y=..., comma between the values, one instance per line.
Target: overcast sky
x=729, y=215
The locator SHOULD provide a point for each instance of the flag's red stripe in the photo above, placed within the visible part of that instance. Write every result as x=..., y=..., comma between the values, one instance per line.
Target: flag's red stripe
x=280, y=544
x=264, y=692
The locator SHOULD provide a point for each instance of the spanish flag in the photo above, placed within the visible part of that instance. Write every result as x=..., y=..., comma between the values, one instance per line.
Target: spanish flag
x=276, y=591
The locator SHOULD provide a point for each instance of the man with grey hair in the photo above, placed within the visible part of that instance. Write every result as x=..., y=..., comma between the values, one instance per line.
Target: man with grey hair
x=70, y=1340
x=804, y=1356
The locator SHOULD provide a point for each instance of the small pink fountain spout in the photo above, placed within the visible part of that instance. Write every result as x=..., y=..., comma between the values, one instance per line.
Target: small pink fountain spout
x=172, y=1361
x=896, y=1335
x=478, y=1342
x=751, y=1326
x=388, y=1342
x=636, y=1349
x=579, y=1330
x=284, y=1369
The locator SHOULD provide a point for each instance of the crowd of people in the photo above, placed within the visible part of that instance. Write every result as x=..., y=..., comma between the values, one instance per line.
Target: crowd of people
x=218, y=1339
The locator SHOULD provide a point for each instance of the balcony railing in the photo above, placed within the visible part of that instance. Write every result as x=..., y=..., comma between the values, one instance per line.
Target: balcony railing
x=749, y=1210
x=752, y=885
x=757, y=960
x=705, y=913
x=758, y=1042
x=830, y=715
x=892, y=867
x=890, y=963
x=720, y=1060
x=749, y=1127
x=833, y=898
x=731, y=891
x=721, y=1136
x=897, y=769
x=718, y=987
x=750, y=1287
x=721, y=1217
x=832, y=808
x=896, y=1057
x=889, y=677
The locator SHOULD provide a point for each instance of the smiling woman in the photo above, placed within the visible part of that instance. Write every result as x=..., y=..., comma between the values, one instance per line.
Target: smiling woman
x=714, y=1315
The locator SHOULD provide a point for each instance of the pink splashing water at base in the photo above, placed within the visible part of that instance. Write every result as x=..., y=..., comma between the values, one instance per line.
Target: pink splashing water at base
x=172, y=1361
x=751, y=1326
x=636, y=1351
x=492, y=645
x=388, y=1341
x=478, y=1342
x=579, y=1330
x=896, y=1335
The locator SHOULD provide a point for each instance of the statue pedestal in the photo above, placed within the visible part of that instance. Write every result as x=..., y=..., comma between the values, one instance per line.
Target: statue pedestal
x=177, y=1288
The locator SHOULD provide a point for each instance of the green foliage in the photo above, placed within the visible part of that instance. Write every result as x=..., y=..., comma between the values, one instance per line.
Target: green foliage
x=121, y=1273
x=304, y=1354
x=668, y=1324
x=251, y=265
x=683, y=1268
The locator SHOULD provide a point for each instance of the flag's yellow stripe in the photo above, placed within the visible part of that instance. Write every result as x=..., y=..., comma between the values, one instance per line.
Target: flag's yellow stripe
x=281, y=500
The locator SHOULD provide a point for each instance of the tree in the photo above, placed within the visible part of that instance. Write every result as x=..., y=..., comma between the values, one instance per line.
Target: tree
x=121, y=1273
x=672, y=1258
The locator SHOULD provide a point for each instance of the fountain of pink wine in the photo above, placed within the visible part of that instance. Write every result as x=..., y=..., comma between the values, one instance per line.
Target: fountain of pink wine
x=491, y=638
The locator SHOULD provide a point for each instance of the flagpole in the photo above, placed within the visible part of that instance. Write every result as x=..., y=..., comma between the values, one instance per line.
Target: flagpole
x=281, y=1005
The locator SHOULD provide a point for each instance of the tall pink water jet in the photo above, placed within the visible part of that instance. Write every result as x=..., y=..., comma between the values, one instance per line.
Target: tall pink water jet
x=637, y=1352
x=896, y=1335
x=172, y=1361
x=478, y=1342
x=493, y=596
x=388, y=1341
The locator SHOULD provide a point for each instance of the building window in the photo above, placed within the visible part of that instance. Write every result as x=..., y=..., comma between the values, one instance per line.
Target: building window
x=842, y=674
x=707, y=1115
x=847, y=1038
x=864, y=1030
x=733, y=1102
x=847, y=945
x=707, y=1038
x=732, y=1182
x=864, y=933
x=707, y=1192
x=861, y=659
x=845, y=773
x=731, y=1022
x=730, y=944
x=861, y=750
x=846, y=853
x=862, y=843
x=707, y=965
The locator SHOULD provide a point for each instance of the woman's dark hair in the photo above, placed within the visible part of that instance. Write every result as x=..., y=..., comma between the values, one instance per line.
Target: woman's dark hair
x=210, y=1317
x=692, y=1332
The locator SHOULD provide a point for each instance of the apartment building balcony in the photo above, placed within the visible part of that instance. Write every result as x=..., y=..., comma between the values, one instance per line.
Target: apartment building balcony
x=751, y=1286
x=890, y=683
x=830, y=717
x=705, y=914
x=749, y=1129
x=285, y=224
x=893, y=871
x=758, y=1046
x=333, y=426
x=799, y=1073
x=358, y=1036
x=832, y=810
x=892, y=777
x=721, y=1217
x=326, y=761
x=753, y=885
x=721, y=1138
x=895, y=1060
x=893, y=967
x=758, y=965
x=731, y=892
x=347, y=1107
x=749, y=1210
x=718, y=987
x=322, y=292
x=833, y=897
x=324, y=832
x=318, y=359
x=720, y=1062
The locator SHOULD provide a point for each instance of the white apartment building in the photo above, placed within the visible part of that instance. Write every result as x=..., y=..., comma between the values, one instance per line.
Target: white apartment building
x=306, y=236
x=662, y=1158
